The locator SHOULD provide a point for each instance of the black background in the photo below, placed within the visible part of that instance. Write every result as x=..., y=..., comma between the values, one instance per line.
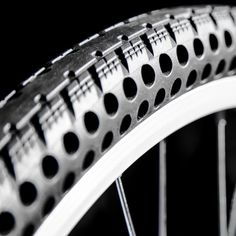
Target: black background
x=34, y=33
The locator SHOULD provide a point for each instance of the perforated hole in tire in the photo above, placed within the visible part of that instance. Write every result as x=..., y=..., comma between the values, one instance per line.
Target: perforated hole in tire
x=198, y=47
x=125, y=124
x=48, y=205
x=107, y=141
x=228, y=39
x=182, y=55
x=111, y=104
x=232, y=66
x=28, y=230
x=7, y=222
x=143, y=109
x=160, y=96
x=166, y=64
x=191, y=78
x=214, y=44
x=176, y=87
x=88, y=159
x=50, y=166
x=220, y=68
x=68, y=181
x=28, y=193
x=130, y=88
x=148, y=75
x=71, y=142
x=206, y=71
x=91, y=122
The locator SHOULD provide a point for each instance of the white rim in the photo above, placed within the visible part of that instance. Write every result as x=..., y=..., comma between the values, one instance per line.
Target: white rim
x=212, y=97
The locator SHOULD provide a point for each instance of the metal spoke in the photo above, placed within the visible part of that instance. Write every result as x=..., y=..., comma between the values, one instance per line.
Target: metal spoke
x=125, y=207
x=162, y=189
x=232, y=219
x=221, y=123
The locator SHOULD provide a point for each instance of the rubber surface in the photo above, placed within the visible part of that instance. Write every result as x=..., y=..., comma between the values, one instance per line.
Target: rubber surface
x=119, y=159
x=65, y=117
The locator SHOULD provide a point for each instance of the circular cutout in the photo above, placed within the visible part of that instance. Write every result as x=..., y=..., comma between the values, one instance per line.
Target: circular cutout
x=28, y=230
x=107, y=140
x=206, y=71
x=232, y=66
x=148, y=75
x=160, y=96
x=48, y=205
x=111, y=104
x=182, y=55
x=143, y=109
x=176, y=87
x=220, y=68
x=88, y=159
x=71, y=142
x=191, y=78
x=165, y=64
x=68, y=181
x=198, y=47
x=28, y=193
x=50, y=166
x=125, y=124
x=7, y=222
x=130, y=88
x=228, y=39
x=214, y=44
x=91, y=122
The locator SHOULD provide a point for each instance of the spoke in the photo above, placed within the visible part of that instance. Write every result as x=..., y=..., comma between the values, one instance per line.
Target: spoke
x=162, y=188
x=221, y=123
x=125, y=207
x=232, y=219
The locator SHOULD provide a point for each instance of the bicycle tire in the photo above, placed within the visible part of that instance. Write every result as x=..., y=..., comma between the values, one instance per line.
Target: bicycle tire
x=97, y=92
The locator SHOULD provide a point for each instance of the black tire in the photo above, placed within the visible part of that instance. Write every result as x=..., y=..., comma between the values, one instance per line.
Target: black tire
x=65, y=117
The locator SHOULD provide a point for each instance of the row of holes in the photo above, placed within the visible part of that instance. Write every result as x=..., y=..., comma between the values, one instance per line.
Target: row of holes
x=28, y=193
x=50, y=167
x=148, y=75
x=71, y=142
x=7, y=223
x=130, y=89
x=165, y=61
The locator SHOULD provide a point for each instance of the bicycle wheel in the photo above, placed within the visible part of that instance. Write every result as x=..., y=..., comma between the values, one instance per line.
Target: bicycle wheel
x=75, y=126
